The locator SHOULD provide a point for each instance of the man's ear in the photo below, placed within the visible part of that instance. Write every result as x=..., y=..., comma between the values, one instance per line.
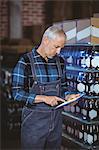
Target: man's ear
x=45, y=40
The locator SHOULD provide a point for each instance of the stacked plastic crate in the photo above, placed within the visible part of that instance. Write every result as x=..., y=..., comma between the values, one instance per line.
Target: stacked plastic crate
x=81, y=121
x=11, y=110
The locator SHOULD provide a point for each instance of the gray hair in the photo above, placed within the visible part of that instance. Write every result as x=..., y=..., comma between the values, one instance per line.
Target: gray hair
x=53, y=31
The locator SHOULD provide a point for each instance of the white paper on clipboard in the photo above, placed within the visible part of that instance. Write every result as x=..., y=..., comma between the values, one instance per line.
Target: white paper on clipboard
x=69, y=102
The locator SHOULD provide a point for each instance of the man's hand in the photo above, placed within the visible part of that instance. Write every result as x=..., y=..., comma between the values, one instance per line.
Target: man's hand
x=53, y=100
x=72, y=96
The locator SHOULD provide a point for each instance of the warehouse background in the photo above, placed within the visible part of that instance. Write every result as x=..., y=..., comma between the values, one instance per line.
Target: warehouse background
x=22, y=23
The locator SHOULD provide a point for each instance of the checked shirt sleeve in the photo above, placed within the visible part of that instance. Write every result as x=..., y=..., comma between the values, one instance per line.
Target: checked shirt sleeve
x=20, y=83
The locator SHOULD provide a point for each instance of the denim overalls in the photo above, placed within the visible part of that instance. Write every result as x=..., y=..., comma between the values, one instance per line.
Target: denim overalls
x=41, y=123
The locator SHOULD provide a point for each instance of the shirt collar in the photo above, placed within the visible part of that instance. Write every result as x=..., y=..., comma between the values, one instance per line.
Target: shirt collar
x=35, y=53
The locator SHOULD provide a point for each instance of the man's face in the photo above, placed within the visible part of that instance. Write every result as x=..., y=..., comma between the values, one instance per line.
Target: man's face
x=53, y=47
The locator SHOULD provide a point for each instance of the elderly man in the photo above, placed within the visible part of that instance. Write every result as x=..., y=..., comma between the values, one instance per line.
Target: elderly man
x=37, y=79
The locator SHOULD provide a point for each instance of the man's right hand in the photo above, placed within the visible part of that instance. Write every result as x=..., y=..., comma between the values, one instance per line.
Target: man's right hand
x=53, y=100
x=50, y=100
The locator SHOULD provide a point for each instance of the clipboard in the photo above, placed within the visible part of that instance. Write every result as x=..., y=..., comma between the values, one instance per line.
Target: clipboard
x=69, y=102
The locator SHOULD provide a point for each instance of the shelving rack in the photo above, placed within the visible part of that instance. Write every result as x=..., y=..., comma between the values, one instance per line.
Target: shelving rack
x=81, y=121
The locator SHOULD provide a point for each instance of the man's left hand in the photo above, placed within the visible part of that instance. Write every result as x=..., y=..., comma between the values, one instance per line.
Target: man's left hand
x=71, y=96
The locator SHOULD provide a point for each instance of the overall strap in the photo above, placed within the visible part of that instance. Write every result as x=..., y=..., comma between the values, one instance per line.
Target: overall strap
x=30, y=56
x=58, y=66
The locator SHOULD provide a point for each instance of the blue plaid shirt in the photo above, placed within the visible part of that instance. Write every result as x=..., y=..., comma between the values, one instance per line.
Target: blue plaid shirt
x=22, y=79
